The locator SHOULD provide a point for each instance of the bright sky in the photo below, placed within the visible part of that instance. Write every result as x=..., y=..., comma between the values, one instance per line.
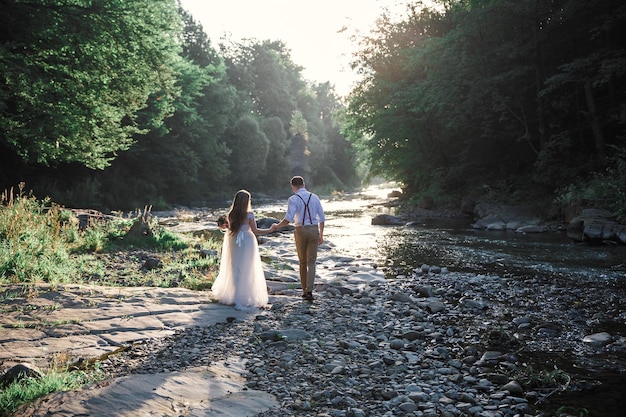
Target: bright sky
x=309, y=29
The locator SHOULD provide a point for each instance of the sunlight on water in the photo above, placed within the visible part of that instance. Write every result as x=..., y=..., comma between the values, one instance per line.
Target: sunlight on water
x=453, y=243
x=349, y=221
x=349, y=216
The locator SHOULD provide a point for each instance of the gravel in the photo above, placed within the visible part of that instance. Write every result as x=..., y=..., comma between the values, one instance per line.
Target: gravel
x=428, y=344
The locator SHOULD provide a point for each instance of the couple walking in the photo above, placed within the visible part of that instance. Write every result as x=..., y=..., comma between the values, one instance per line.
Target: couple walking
x=240, y=280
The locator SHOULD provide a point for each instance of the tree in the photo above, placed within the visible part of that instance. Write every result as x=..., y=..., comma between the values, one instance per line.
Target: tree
x=299, y=151
x=390, y=110
x=341, y=158
x=81, y=78
x=502, y=93
x=277, y=167
x=184, y=160
x=121, y=104
x=585, y=64
x=263, y=72
x=272, y=86
x=250, y=148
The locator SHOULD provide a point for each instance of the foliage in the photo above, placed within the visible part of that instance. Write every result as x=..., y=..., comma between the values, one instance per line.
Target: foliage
x=186, y=269
x=148, y=234
x=270, y=85
x=35, y=240
x=267, y=84
x=531, y=378
x=43, y=242
x=466, y=94
x=81, y=78
x=264, y=73
x=183, y=159
x=187, y=159
x=250, y=148
x=298, y=124
x=566, y=410
x=29, y=389
x=122, y=105
x=277, y=157
x=605, y=190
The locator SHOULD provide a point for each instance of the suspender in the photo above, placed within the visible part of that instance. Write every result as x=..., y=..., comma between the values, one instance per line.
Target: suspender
x=306, y=209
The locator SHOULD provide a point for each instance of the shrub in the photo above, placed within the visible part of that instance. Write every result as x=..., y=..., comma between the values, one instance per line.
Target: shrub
x=29, y=389
x=606, y=190
x=36, y=239
x=43, y=242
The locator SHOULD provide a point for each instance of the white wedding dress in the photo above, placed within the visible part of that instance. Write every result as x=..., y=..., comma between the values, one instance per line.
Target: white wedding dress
x=240, y=281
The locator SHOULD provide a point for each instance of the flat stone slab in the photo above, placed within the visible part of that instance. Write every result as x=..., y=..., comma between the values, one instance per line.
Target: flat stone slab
x=88, y=321
x=218, y=390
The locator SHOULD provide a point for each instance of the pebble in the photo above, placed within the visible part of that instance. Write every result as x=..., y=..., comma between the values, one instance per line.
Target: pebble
x=430, y=344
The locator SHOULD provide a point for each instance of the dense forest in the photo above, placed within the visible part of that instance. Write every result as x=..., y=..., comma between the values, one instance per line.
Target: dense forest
x=118, y=104
x=514, y=100
x=122, y=104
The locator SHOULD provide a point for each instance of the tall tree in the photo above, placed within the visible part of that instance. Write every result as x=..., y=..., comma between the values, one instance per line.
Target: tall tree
x=277, y=167
x=264, y=72
x=184, y=160
x=81, y=77
x=391, y=109
x=269, y=83
x=250, y=148
x=341, y=158
x=496, y=92
x=584, y=57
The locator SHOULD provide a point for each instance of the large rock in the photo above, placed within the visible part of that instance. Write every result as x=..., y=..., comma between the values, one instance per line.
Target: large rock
x=596, y=226
x=598, y=339
x=266, y=222
x=219, y=389
x=388, y=220
x=18, y=373
x=506, y=218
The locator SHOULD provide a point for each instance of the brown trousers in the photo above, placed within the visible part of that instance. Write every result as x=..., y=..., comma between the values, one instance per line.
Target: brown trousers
x=307, y=239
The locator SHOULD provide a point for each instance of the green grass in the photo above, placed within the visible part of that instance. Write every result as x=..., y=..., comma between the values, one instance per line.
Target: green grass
x=37, y=240
x=41, y=242
x=30, y=389
x=534, y=379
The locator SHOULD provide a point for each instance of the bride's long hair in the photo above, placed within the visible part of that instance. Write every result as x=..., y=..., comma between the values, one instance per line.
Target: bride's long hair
x=239, y=211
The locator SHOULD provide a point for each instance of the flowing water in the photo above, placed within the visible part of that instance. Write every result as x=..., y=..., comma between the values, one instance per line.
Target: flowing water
x=453, y=244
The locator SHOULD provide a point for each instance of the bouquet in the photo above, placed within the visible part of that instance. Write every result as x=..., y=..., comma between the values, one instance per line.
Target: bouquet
x=222, y=223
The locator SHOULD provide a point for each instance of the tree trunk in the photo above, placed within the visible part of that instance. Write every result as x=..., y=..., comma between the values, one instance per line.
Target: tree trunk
x=539, y=77
x=595, y=124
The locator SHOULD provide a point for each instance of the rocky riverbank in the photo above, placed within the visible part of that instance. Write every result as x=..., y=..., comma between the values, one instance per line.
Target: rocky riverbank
x=428, y=343
x=441, y=344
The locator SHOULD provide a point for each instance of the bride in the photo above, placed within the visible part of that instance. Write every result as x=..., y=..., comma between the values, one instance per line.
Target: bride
x=240, y=281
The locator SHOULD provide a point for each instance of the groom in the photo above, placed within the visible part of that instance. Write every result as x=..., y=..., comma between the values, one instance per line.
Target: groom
x=305, y=210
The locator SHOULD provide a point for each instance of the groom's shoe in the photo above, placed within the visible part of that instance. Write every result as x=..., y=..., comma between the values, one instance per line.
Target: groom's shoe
x=308, y=296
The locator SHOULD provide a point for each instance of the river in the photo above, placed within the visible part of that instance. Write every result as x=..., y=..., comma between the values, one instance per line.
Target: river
x=596, y=274
x=453, y=243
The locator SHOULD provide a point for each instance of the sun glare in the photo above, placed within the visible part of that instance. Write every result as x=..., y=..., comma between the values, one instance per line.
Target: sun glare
x=317, y=33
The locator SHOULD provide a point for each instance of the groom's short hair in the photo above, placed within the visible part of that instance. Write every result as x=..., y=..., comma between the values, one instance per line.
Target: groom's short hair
x=297, y=181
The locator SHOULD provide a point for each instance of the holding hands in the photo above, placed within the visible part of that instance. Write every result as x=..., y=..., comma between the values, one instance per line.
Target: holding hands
x=279, y=225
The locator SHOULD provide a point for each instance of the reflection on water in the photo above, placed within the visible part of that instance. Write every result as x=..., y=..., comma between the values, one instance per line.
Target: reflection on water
x=348, y=221
x=452, y=243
